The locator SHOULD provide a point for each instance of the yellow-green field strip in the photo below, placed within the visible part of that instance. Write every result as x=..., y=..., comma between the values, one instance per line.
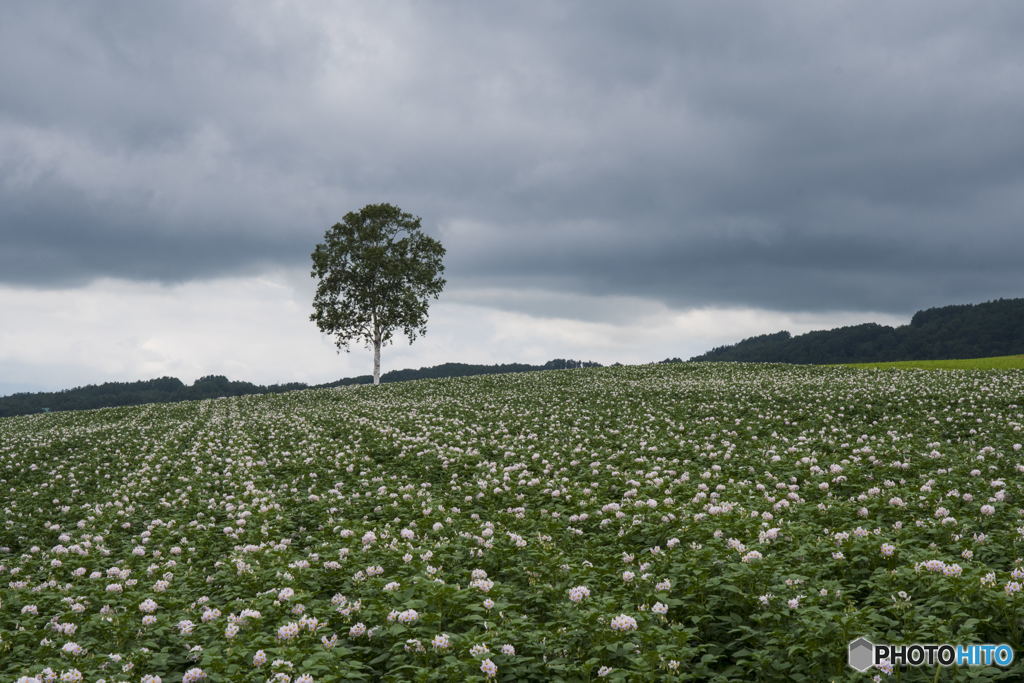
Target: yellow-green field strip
x=992, y=363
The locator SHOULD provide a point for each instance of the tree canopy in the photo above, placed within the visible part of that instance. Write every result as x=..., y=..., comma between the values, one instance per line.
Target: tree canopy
x=376, y=273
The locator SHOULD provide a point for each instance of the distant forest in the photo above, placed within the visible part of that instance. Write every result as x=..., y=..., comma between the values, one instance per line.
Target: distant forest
x=171, y=389
x=995, y=328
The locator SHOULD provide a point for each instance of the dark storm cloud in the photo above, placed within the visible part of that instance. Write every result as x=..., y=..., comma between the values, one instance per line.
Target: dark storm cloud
x=805, y=156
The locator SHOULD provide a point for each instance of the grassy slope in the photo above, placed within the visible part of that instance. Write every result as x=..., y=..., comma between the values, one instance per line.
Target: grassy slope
x=993, y=363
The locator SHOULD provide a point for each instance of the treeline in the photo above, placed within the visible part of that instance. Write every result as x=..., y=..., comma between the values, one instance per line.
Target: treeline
x=995, y=328
x=171, y=389
x=464, y=370
x=109, y=394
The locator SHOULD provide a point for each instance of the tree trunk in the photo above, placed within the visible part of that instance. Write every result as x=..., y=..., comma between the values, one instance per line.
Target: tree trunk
x=376, y=360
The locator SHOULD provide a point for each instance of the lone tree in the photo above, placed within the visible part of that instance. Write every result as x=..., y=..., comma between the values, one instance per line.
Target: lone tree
x=376, y=272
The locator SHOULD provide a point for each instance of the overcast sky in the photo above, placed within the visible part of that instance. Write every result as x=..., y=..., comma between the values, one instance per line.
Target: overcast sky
x=612, y=181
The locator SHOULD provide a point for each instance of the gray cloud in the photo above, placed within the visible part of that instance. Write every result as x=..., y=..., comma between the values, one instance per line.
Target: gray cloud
x=804, y=156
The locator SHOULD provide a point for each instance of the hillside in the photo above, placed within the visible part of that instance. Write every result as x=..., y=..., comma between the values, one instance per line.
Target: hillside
x=989, y=363
x=172, y=390
x=995, y=328
x=678, y=521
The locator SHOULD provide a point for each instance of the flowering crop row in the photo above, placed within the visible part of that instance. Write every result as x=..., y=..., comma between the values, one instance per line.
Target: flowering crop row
x=688, y=521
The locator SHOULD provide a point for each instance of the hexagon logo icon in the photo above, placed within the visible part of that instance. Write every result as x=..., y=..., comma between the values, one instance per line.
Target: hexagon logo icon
x=861, y=655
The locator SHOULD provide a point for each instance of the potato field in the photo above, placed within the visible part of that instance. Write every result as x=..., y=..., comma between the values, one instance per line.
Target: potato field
x=718, y=522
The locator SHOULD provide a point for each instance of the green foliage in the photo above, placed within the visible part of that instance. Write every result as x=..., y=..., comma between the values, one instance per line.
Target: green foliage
x=108, y=394
x=995, y=328
x=376, y=272
x=994, y=363
x=480, y=503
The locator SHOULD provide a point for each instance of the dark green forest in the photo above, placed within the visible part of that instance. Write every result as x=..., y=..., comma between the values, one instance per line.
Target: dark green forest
x=994, y=328
x=171, y=389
